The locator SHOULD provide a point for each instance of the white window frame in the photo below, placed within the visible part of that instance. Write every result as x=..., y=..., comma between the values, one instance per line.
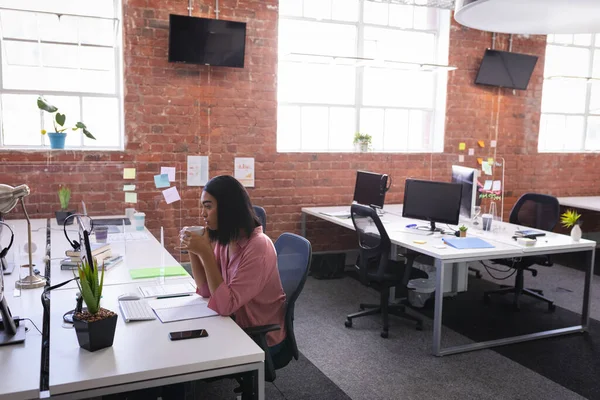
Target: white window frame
x=437, y=129
x=118, y=92
x=593, y=48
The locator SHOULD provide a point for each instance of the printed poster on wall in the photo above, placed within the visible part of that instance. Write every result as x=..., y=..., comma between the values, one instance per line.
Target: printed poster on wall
x=244, y=171
x=197, y=170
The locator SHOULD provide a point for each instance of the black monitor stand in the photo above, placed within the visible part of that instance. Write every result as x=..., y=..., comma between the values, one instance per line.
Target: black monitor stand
x=10, y=332
x=431, y=227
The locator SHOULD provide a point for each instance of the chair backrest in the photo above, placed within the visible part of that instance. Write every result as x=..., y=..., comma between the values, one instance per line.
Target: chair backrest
x=373, y=240
x=294, y=254
x=536, y=210
x=262, y=216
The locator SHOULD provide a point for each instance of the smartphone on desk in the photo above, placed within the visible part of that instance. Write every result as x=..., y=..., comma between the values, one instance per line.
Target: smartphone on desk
x=196, y=333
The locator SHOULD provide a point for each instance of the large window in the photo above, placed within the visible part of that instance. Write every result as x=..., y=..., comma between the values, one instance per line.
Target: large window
x=570, y=120
x=70, y=52
x=349, y=66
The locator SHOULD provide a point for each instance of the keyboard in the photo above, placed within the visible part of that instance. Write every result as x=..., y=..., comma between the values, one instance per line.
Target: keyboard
x=111, y=221
x=136, y=310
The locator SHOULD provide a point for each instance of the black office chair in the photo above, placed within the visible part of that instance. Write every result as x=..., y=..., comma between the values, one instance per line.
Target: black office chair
x=537, y=211
x=375, y=268
x=262, y=216
x=293, y=260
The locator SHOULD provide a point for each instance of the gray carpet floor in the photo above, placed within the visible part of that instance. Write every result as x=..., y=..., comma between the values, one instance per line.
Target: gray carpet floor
x=365, y=366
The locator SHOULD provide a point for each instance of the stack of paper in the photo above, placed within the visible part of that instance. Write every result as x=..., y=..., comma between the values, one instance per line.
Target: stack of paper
x=181, y=308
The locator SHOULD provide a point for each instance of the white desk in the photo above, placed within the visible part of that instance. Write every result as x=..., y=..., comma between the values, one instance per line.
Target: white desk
x=591, y=203
x=21, y=363
x=505, y=247
x=137, y=254
x=142, y=354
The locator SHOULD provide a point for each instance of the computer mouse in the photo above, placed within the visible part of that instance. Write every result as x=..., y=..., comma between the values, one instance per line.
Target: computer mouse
x=129, y=296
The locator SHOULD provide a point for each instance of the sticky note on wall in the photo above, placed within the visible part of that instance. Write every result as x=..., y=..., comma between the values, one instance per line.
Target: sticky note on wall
x=481, y=143
x=128, y=173
x=161, y=181
x=462, y=146
x=479, y=160
x=471, y=152
x=130, y=197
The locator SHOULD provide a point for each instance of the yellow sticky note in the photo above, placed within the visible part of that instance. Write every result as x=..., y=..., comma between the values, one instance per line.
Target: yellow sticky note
x=479, y=160
x=128, y=173
x=481, y=143
x=419, y=241
x=461, y=146
x=130, y=197
x=491, y=161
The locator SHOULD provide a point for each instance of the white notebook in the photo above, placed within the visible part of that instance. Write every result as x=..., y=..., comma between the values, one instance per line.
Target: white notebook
x=167, y=290
x=181, y=308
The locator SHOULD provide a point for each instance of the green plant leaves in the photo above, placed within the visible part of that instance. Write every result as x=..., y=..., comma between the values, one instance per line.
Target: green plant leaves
x=60, y=118
x=43, y=105
x=91, y=289
x=88, y=134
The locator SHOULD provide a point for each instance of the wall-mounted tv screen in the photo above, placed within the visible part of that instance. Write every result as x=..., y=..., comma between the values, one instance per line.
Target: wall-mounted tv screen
x=206, y=41
x=506, y=69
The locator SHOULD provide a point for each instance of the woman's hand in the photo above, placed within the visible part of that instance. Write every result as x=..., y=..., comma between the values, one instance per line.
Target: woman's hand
x=194, y=242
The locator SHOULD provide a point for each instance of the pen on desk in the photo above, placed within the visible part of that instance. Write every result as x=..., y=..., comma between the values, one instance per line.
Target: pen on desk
x=171, y=296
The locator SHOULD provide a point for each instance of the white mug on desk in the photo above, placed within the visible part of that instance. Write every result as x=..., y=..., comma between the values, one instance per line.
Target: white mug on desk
x=129, y=213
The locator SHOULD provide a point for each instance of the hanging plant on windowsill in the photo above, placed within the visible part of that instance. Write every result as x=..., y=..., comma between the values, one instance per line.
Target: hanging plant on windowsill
x=362, y=141
x=57, y=138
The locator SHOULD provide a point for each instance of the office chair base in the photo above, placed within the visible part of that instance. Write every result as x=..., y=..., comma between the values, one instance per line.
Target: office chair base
x=535, y=293
x=399, y=310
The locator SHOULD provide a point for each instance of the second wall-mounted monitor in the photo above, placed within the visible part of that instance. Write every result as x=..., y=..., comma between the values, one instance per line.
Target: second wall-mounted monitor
x=370, y=188
x=506, y=69
x=467, y=177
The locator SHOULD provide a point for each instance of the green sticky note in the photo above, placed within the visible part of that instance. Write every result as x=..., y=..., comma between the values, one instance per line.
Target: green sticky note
x=155, y=272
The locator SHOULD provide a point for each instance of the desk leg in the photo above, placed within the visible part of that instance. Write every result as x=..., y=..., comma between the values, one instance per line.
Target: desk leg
x=589, y=273
x=437, y=314
x=261, y=382
x=303, y=225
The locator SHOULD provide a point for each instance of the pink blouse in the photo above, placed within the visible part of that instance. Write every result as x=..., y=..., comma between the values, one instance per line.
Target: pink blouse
x=251, y=287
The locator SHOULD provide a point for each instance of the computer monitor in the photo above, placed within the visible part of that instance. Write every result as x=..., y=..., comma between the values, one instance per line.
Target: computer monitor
x=432, y=201
x=370, y=189
x=467, y=177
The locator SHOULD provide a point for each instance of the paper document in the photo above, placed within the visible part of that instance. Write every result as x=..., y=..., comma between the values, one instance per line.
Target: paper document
x=181, y=308
x=120, y=237
x=467, y=243
x=339, y=214
x=167, y=290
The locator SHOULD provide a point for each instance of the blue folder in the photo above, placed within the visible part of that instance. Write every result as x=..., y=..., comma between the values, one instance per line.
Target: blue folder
x=467, y=243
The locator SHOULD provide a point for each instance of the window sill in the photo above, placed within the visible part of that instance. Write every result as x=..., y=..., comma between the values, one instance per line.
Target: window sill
x=48, y=149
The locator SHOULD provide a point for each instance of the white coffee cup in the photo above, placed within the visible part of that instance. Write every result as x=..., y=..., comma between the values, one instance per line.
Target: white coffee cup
x=139, y=220
x=129, y=213
x=195, y=229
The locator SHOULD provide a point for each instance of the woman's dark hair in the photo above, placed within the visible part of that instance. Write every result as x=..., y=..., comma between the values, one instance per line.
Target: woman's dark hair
x=234, y=210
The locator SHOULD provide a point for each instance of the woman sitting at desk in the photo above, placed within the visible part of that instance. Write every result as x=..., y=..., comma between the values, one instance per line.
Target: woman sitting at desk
x=235, y=263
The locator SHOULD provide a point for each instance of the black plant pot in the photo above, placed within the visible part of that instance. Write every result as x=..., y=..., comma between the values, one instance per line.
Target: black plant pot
x=62, y=215
x=96, y=335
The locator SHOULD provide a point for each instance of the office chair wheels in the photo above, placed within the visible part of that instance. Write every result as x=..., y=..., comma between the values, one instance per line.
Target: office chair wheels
x=551, y=307
x=348, y=323
x=419, y=326
x=384, y=334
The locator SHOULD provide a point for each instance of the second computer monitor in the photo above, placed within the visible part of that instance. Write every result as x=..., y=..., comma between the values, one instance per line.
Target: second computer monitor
x=467, y=177
x=370, y=188
x=432, y=201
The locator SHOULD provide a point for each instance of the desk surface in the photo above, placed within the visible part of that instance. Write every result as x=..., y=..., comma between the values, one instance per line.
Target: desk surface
x=500, y=238
x=585, y=202
x=141, y=350
x=20, y=363
x=146, y=253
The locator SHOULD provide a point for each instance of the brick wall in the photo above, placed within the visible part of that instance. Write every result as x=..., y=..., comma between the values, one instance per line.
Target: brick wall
x=172, y=111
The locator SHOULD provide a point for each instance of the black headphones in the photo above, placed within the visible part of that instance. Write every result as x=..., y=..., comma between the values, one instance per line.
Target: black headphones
x=12, y=237
x=74, y=243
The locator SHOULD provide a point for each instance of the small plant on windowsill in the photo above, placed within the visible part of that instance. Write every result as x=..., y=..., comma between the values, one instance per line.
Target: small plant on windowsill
x=570, y=219
x=462, y=231
x=362, y=141
x=57, y=138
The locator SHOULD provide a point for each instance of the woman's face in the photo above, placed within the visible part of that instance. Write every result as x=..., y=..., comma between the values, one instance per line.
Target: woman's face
x=209, y=211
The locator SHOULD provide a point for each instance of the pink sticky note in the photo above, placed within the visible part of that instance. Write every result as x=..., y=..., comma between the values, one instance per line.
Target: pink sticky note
x=171, y=195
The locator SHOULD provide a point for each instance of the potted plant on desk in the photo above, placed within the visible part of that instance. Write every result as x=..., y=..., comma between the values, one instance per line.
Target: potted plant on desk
x=95, y=326
x=462, y=231
x=362, y=141
x=57, y=138
x=570, y=219
x=64, y=196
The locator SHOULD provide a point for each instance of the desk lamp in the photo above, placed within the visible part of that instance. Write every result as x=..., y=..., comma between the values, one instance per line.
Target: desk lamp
x=9, y=197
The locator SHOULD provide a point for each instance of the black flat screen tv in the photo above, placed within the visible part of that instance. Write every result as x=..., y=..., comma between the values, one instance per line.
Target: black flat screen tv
x=206, y=41
x=506, y=69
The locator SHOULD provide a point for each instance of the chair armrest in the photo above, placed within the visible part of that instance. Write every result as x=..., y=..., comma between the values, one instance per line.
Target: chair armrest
x=261, y=330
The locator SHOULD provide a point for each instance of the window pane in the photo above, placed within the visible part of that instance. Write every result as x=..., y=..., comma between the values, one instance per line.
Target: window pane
x=371, y=122
x=375, y=13
x=316, y=83
x=19, y=25
x=60, y=55
x=563, y=96
x=552, y=130
x=319, y=9
x=426, y=18
x=288, y=128
x=592, y=141
x=566, y=61
x=22, y=53
x=563, y=39
x=97, y=58
x=320, y=38
x=21, y=120
x=582, y=39
x=390, y=87
x=97, y=31
x=101, y=116
x=595, y=98
x=57, y=29
x=395, y=136
x=419, y=130
x=341, y=128
x=397, y=45
x=345, y=10
x=315, y=122
x=290, y=7
x=573, y=134
x=596, y=67
x=401, y=16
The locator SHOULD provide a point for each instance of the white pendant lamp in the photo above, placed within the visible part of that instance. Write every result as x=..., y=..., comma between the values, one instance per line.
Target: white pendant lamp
x=534, y=17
